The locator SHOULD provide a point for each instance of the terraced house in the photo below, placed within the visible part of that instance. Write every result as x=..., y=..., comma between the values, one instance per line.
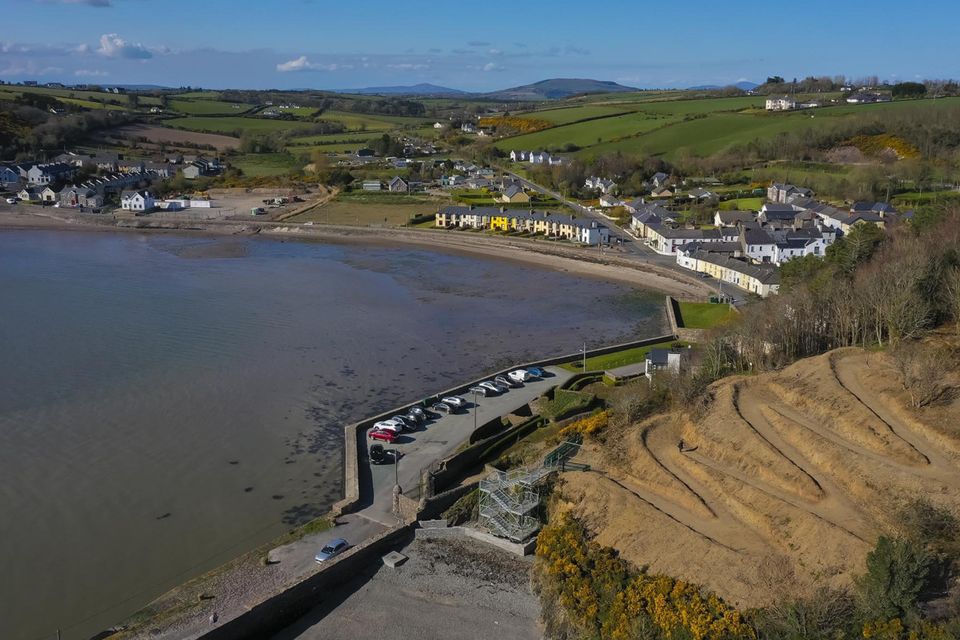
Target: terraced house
x=546, y=223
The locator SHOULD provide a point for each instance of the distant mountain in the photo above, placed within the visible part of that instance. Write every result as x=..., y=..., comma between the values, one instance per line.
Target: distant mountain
x=558, y=88
x=423, y=89
x=743, y=85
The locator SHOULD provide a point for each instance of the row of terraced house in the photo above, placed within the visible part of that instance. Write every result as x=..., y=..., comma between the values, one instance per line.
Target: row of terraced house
x=546, y=223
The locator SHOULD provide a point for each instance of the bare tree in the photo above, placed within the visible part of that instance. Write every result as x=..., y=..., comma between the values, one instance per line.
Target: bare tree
x=922, y=373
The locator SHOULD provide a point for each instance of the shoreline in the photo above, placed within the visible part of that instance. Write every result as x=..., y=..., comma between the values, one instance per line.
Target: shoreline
x=550, y=255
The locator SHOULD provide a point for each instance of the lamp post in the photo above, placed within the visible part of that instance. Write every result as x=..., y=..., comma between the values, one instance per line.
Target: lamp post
x=476, y=407
x=584, y=352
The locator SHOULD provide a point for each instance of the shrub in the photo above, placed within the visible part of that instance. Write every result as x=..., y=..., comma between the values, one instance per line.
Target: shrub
x=589, y=426
x=897, y=572
x=463, y=510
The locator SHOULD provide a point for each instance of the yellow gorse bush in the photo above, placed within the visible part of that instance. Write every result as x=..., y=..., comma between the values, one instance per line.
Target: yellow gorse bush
x=602, y=597
x=591, y=425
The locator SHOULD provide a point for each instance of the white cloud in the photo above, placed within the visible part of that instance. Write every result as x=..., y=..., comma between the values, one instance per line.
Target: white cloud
x=408, y=66
x=113, y=46
x=492, y=66
x=303, y=64
x=90, y=73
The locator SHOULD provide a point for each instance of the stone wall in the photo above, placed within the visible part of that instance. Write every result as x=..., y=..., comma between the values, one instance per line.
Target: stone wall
x=285, y=608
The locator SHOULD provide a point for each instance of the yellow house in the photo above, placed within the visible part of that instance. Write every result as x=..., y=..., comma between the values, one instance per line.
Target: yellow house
x=500, y=222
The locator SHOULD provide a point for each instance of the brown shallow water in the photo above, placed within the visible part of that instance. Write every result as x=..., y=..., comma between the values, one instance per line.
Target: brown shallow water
x=167, y=403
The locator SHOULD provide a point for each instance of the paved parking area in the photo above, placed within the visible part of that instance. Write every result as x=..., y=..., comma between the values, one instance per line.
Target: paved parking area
x=441, y=437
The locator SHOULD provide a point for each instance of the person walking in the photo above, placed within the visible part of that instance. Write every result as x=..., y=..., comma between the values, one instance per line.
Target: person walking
x=680, y=445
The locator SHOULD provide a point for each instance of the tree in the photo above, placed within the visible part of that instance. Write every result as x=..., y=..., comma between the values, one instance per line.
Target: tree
x=922, y=374
x=133, y=100
x=909, y=90
x=896, y=575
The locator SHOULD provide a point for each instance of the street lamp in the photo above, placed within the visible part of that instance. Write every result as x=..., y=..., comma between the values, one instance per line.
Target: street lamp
x=476, y=407
x=584, y=352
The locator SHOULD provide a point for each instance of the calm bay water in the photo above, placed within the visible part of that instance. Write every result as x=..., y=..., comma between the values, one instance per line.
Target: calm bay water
x=167, y=403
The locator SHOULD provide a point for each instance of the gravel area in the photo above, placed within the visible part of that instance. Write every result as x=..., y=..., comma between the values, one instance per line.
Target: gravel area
x=450, y=589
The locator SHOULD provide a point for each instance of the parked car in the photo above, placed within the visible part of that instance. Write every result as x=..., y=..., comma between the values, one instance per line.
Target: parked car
x=536, y=372
x=389, y=425
x=482, y=391
x=405, y=422
x=417, y=418
x=441, y=407
x=331, y=549
x=493, y=386
x=519, y=375
x=383, y=434
x=418, y=411
x=454, y=401
x=13, y=200
x=379, y=455
x=704, y=275
x=506, y=382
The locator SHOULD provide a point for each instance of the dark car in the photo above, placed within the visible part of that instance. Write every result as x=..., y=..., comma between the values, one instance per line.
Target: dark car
x=379, y=455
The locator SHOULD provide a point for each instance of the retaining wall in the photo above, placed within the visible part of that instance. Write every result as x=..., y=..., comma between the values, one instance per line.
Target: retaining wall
x=523, y=549
x=673, y=316
x=286, y=607
x=354, y=435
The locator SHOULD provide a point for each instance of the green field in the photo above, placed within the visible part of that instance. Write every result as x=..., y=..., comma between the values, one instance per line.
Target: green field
x=704, y=315
x=208, y=107
x=569, y=115
x=265, y=164
x=362, y=121
x=742, y=204
x=586, y=134
x=229, y=125
x=211, y=95
x=617, y=359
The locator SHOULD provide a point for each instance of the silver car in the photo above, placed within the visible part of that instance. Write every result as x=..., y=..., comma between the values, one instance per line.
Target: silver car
x=331, y=549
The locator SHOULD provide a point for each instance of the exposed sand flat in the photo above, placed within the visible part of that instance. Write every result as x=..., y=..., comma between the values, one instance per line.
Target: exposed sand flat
x=809, y=464
x=559, y=256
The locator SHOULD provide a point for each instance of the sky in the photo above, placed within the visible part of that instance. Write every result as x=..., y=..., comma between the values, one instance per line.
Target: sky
x=485, y=46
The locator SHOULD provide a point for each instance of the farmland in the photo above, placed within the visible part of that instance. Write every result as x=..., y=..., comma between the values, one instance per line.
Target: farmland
x=208, y=107
x=265, y=164
x=231, y=125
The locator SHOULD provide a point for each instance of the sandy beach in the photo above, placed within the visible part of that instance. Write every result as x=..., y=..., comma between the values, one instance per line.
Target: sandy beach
x=612, y=265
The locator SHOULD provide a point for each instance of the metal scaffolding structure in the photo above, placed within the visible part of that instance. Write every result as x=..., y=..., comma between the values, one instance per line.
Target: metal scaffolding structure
x=509, y=503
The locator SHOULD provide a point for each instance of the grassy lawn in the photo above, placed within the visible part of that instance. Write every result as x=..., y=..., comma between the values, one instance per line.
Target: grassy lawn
x=586, y=134
x=386, y=197
x=568, y=115
x=619, y=358
x=362, y=121
x=704, y=315
x=565, y=402
x=265, y=164
x=743, y=204
x=363, y=214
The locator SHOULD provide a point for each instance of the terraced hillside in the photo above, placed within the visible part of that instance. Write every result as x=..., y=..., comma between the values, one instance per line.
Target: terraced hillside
x=804, y=467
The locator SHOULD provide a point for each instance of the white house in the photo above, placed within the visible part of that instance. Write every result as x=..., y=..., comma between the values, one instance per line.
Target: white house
x=607, y=201
x=757, y=245
x=781, y=103
x=662, y=360
x=43, y=174
x=518, y=156
x=539, y=157
x=137, y=201
x=665, y=239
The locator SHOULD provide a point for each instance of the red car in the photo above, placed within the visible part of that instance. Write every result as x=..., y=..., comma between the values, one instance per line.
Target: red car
x=383, y=434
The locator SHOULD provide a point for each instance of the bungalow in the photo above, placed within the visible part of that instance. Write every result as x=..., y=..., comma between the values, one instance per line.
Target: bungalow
x=48, y=194
x=398, y=185
x=669, y=360
x=661, y=192
x=372, y=185
x=139, y=201
x=452, y=181
x=600, y=184
x=514, y=194
x=438, y=125
x=762, y=280
x=607, y=201
x=73, y=196
x=29, y=194
x=665, y=239
x=733, y=218
x=699, y=194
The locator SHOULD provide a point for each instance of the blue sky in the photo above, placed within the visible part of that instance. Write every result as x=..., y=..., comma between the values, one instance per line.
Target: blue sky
x=473, y=46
